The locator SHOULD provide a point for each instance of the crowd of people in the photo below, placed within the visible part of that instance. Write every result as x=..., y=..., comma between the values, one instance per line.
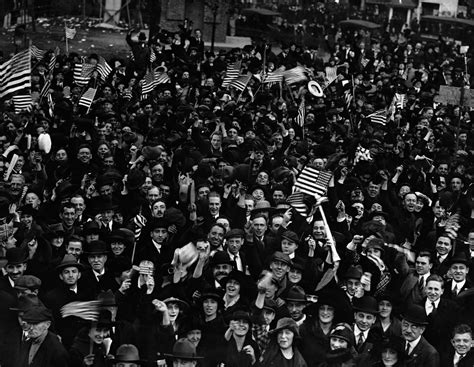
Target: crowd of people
x=164, y=228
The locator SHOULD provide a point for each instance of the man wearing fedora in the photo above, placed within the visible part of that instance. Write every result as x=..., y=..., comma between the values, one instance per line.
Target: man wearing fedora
x=69, y=272
x=367, y=338
x=418, y=352
x=97, y=278
x=459, y=269
x=41, y=348
x=127, y=356
x=184, y=354
x=234, y=242
x=296, y=302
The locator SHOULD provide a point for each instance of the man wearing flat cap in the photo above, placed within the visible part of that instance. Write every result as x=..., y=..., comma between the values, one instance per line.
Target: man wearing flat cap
x=41, y=348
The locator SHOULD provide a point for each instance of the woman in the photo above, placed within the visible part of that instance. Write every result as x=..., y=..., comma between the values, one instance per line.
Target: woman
x=282, y=350
x=391, y=353
x=176, y=308
x=236, y=287
x=389, y=325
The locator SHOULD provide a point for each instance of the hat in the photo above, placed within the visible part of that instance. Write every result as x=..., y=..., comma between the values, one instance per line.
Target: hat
x=269, y=304
x=280, y=256
x=298, y=263
x=27, y=301
x=16, y=256
x=157, y=223
x=69, y=260
x=107, y=298
x=241, y=315
x=353, y=273
x=343, y=331
x=97, y=248
x=151, y=153
x=91, y=227
x=127, y=353
x=415, y=314
x=238, y=276
x=235, y=233
x=28, y=210
x=175, y=216
x=180, y=302
x=291, y=236
x=37, y=314
x=376, y=243
x=27, y=282
x=183, y=349
x=367, y=304
x=146, y=267
x=117, y=236
x=296, y=294
x=263, y=206
x=376, y=213
x=105, y=319
x=135, y=179
x=221, y=257
x=211, y=293
x=459, y=258
x=56, y=230
x=286, y=323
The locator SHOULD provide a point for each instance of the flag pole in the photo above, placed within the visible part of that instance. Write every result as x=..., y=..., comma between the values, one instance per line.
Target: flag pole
x=65, y=35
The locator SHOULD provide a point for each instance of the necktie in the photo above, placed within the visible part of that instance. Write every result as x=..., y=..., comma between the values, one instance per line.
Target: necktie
x=360, y=341
x=433, y=305
x=421, y=283
x=455, y=290
x=407, y=349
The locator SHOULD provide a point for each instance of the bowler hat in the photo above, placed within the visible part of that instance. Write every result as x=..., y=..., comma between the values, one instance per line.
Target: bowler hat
x=27, y=282
x=16, y=256
x=415, y=314
x=37, y=314
x=221, y=257
x=459, y=258
x=157, y=223
x=105, y=319
x=376, y=213
x=127, y=353
x=69, y=261
x=296, y=294
x=28, y=210
x=286, y=323
x=353, y=273
x=367, y=304
x=97, y=248
x=183, y=349
x=91, y=227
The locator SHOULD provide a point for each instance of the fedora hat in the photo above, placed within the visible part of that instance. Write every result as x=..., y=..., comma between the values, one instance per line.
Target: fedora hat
x=91, y=227
x=367, y=304
x=416, y=315
x=263, y=206
x=127, y=353
x=296, y=294
x=353, y=273
x=184, y=349
x=69, y=261
x=97, y=248
x=27, y=301
x=286, y=323
x=105, y=319
x=221, y=257
x=37, y=314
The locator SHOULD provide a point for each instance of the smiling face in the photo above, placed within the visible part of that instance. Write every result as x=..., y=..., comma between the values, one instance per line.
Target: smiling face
x=285, y=338
x=209, y=306
x=385, y=308
x=364, y=320
x=389, y=357
x=462, y=342
x=434, y=290
x=232, y=288
x=459, y=272
x=326, y=314
x=98, y=334
x=296, y=309
x=443, y=245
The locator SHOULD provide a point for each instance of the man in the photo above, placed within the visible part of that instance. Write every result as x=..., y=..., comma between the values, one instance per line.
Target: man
x=461, y=355
x=156, y=248
x=261, y=244
x=280, y=264
x=43, y=348
x=442, y=255
x=15, y=268
x=365, y=312
x=97, y=278
x=296, y=303
x=80, y=206
x=418, y=352
x=214, y=205
x=27, y=284
x=442, y=314
x=215, y=237
x=234, y=241
x=91, y=231
x=127, y=355
x=413, y=286
x=74, y=247
x=184, y=354
x=352, y=282
x=67, y=214
x=69, y=272
x=221, y=265
x=459, y=269
x=289, y=243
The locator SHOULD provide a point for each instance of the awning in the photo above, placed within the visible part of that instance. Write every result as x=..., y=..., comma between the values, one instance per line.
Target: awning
x=407, y=4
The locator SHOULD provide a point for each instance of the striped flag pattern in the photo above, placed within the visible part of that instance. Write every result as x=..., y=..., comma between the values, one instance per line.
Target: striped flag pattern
x=153, y=79
x=313, y=182
x=273, y=77
x=53, y=59
x=152, y=55
x=103, y=68
x=331, y=73
x=87, y=98
x=378, y=117
x=400, y=100
x=88, y=310
x=15, y=74
x=83, y=73
x=240, y=83
x=295, y=75
x=70, y=32
x=22, y=102
x=296, y=201
x=45, y=90
x=301, y=113
x=232, y=72
x=364, y=62
x=37, y=53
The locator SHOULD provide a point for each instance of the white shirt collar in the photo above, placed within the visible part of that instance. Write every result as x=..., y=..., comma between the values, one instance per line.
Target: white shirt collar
x=12, y=282
x=96, y=274
x=414, y=343
x=429, y=306
x=441, y=258
x=357, y=331
x=157, y=245
x=459, y=285
x=299, y=322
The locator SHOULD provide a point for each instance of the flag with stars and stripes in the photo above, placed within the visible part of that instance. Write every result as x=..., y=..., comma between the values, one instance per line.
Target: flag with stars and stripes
x=153, y=79
x=364, y=62
x=240, y=83
x=296, y=201
x=86, y=310
x=295, y=75
x=83, y=73
x=378, y=117
x=152, y=55
x=273, y=77
x=45, y=90
x=70, y=32
x=15, y=74
x=103, y=68
x=301, y=113
x=22, y=102
x=37, y=53
x=313, y=182
x=87, y=98
x=53, y=59
x=232, y=72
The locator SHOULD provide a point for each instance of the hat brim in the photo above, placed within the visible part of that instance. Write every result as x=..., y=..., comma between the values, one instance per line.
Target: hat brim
x=181, y=356
x=275, y=332
x=117, y=360
x=414, y=321
x=366, y=310
x=96, y=253
x=296, y=300
x=70, y=265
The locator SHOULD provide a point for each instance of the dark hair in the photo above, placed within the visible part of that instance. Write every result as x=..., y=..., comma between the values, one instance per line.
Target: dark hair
x=461, y=329
x=436, y=278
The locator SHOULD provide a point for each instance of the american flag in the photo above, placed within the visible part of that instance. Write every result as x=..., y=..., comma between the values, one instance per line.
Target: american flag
x=152, y=79
x=88, y=310
x=240, y=83
x=103, y=68
x=152, y=55
x=378, y=117
x=45, y=90
x=22, y=102
x=295, y=75
x=273, y=77
x=232, y=72
x=83, y=73
x=87, y=98
x=296, y=201
x=70, y=32
x=400, y=100
x=52, y=60
x=313, y=182
x=348, y=97
x=301, y=113
x=15, y=74
x=37, y=53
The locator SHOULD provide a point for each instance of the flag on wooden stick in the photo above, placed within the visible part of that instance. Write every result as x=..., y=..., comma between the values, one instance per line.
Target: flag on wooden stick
x=313, y=181
x=70, y=32
x=240, y=83
x=87, y=98
x=378, y=117
x=301, y=113
x=232, y=72
x=15, y=74
x=103, y=68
